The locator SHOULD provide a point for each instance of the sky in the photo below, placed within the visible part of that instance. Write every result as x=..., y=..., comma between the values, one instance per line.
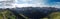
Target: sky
x=38, y=3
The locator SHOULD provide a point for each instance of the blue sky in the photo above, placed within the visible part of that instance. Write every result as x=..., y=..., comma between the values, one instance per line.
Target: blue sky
x=36, y=1
x=28, y=1
x=53, y=2
x=41, y=3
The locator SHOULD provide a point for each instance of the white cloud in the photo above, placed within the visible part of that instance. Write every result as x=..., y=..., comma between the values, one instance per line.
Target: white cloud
x=5, y=0
x=37, y=3
x=23, y=5
x=26, y=0
x=31, y=5
x=1, y=0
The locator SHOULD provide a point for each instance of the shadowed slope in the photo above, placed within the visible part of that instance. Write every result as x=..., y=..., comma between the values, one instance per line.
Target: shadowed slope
x=34, y=12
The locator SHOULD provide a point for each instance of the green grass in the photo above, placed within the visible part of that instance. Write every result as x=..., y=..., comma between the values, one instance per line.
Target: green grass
x=54, y=15
x=6, y=13
x=1, y=17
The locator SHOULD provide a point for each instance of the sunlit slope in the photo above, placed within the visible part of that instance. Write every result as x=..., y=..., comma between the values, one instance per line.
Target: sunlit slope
x=6, y=14
x=54, y=15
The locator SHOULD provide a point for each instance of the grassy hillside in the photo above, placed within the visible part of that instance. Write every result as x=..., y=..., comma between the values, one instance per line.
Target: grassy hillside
x=6, y=14
x=54, y=15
